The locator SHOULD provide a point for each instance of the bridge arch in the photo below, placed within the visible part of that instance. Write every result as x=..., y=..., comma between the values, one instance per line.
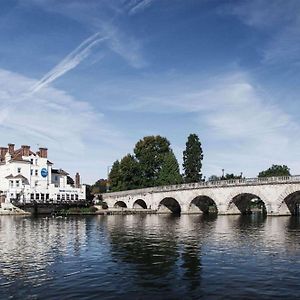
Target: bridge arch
x=120, y=204
x=203, y=204
x=246, y=203
x=140, y=204
x=290, y=202
x=169, y=205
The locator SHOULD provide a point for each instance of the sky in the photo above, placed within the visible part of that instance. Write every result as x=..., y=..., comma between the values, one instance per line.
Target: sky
x=88, y=79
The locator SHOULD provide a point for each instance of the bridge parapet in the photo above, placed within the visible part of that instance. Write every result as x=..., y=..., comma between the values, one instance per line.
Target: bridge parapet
x=209, y=184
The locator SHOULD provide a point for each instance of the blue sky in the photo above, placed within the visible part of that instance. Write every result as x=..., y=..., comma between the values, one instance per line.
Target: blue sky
x=88, y=79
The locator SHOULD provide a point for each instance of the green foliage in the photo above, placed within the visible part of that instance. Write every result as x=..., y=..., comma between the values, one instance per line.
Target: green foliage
x=231, y=176
x=114, y=177
x=275, y=170
x=192, y=159
x=89, y=196
x=214, y=178
x=130, y=174
x=150, y=153
x=169, y=172
x=99, y=187
x=70, y=180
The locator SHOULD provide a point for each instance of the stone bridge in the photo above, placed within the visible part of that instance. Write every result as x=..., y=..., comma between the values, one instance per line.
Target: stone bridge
x=275, y=195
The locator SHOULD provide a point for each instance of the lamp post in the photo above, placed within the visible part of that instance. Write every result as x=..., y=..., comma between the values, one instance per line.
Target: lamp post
x=223, y=173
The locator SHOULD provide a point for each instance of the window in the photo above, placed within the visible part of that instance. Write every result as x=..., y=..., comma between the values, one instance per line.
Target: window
x=42, y=196
x=56, y=178
x=11, y=183
x=37, y=196
x=31, y=161
x=17, y=183
x=47, y=196
x=32, y=196
x=68, y=197
x=58, y=197
x=31, y=172
x=36, y=172
x=63, y=197
x=72, y=197
x=76, y=197
x=19, y=170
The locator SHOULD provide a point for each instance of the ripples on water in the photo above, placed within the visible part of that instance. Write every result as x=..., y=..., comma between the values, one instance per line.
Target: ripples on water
x=150, y=256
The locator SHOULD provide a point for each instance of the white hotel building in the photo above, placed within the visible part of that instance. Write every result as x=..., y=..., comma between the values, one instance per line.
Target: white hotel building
x=28, y=176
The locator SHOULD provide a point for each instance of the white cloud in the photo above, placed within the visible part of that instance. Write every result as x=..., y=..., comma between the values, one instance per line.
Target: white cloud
x=279, y=20
x=243, y=129
x=104, y=17
x=78, y=138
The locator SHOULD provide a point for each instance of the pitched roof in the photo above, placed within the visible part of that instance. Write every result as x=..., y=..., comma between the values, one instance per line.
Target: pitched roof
x=59, y=171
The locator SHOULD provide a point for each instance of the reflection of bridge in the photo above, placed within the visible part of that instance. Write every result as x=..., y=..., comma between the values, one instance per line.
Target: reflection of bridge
x=278, y=196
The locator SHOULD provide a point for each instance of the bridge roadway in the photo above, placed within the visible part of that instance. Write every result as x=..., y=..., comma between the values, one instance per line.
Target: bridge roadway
x=278, y=196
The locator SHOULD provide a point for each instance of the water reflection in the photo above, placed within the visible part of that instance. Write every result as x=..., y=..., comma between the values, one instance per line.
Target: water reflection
x=149, y=256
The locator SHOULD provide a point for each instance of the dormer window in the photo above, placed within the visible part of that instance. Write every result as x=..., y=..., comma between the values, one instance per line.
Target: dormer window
x=36, y=172
x=19, y=170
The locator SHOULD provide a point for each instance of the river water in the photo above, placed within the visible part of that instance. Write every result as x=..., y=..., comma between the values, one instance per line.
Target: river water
x=150, y=257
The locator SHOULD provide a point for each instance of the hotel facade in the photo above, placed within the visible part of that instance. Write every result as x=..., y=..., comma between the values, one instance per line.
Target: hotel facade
x=27, y=176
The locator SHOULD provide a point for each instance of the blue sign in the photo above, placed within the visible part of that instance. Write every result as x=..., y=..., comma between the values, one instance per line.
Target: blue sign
x=44, y=172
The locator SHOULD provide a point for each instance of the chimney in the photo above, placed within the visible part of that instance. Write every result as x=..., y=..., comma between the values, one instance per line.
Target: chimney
x=3, y=151
x=11, y=149
x=43, y=152
x=25, y=150
x=77, y=180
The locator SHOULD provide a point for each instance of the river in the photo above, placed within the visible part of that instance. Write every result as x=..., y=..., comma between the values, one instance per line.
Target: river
x=150, y=257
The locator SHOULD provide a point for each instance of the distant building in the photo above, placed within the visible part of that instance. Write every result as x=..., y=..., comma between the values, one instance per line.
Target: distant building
x=28, y=176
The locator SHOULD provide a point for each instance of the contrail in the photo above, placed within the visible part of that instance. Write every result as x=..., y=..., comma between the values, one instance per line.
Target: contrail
x=140, y=6
x=69, y=62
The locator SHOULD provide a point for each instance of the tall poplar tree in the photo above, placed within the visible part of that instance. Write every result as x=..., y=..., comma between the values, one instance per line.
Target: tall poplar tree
x=114, y=177
x=192, y=159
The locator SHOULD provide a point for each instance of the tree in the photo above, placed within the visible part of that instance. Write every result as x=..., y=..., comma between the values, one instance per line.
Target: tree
x=100, y=186
x=114, y=177
x=169, y=172
x=214, y=178
x=275, y=170
x=231, y=176
x=130, y=174
x=150, y=153
x=192, y=159
x=70, y=180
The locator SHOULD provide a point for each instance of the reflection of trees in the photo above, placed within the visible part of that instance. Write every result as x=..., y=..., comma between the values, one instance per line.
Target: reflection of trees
x=162, y=249
x=152, y=253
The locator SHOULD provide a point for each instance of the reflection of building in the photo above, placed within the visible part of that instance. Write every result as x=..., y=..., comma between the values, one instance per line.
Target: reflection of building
x=28, y=176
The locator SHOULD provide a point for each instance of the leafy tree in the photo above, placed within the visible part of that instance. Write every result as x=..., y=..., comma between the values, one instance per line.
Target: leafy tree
x=231, y=176
x=114, y=177
x=150, y=153
x=130, y=175
x=192, y=159
x=70, y=180
x=214, y=178
x=100, y=186
x=169, y=172
x=275, y=170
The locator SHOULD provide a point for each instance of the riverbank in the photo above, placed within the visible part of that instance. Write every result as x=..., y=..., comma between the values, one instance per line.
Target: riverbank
x=98, y=210
x=7, y=209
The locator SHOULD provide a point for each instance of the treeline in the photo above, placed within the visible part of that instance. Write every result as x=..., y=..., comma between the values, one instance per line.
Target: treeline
x=153, y=163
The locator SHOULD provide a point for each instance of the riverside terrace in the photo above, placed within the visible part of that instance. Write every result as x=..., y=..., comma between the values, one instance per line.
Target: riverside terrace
x=278, y=196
